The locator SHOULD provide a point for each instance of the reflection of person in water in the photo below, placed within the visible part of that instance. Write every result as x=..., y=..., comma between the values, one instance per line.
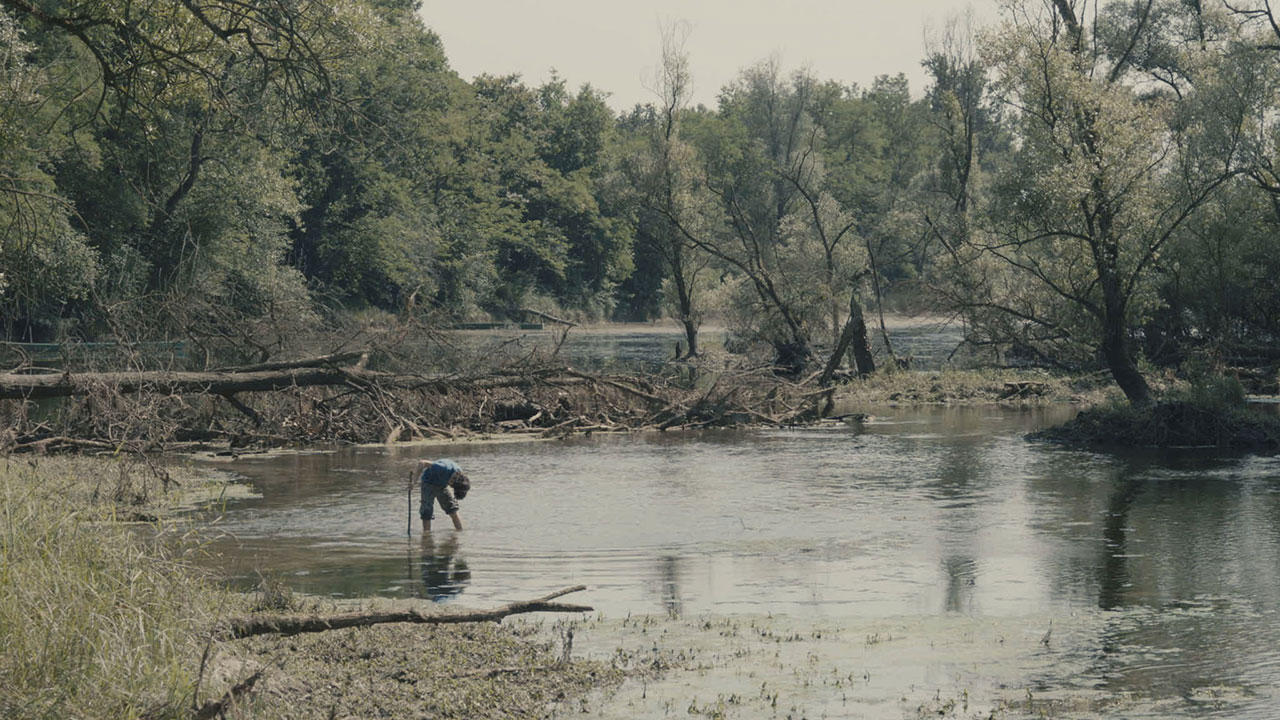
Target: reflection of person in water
x=444, y=573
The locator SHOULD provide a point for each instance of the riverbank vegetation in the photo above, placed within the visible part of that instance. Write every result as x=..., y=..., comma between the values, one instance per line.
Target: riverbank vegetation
x=102, y=620
x=247, y=184
x=97, y=621
x=1206, y=413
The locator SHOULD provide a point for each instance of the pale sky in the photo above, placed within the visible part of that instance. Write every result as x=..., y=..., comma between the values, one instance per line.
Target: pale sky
x=614, y=45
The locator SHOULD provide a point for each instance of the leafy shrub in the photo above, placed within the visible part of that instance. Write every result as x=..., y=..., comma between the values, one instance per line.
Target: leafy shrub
x=1210, y=412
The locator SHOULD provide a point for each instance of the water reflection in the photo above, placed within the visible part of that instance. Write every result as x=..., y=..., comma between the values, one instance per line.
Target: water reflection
x=1179, y=555
x=962, y=576
x=668, y=585
x=1113, y=569
x=959, y=487
x=1171, y=565
x=445, y=573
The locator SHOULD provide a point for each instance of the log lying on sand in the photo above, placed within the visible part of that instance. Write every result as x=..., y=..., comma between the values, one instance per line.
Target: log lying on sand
x=297, y=624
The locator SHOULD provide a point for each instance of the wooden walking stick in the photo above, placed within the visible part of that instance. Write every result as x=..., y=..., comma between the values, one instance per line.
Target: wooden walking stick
x=409, y=529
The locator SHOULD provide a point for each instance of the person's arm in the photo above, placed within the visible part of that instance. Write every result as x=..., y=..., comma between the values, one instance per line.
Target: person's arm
x=457, y=521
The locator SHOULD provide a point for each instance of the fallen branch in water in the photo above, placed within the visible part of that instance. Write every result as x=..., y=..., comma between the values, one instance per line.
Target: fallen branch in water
x=296, y=624
x=157, y=410
x=62, y=442
x=613, y=384
x=34, y=387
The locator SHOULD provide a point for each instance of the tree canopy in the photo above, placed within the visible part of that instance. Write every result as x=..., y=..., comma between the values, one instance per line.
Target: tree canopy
x=1090, y=187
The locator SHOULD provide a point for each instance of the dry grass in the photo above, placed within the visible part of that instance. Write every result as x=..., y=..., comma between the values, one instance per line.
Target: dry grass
x=104, y=619
x=97, y=620
x=477, y=671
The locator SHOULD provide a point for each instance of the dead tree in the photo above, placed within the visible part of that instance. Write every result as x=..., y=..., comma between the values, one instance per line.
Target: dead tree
x=296, y=624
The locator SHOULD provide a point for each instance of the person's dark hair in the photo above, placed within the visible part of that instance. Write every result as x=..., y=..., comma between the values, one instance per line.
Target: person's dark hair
x=461, y=484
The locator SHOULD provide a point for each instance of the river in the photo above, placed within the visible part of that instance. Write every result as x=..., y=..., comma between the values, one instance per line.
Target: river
x=1150, y=575
x=925, y=342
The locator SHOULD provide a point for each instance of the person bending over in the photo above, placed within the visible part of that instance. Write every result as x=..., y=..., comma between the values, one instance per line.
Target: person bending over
x=442, y=482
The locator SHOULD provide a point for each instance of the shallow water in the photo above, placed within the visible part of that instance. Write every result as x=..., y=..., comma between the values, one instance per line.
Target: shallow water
x=928, y=345
x=1161, y=572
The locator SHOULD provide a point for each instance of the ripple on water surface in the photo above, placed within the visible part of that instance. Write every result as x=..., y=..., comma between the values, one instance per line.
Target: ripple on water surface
x=1170, y=565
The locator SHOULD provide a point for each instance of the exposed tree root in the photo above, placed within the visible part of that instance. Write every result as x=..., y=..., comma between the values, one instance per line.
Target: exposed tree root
x=215, y=708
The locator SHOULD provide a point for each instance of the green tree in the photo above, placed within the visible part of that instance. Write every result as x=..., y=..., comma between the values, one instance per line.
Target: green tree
x=156, y=108
x=370, y=174
x=1220, y=291
x=785, y=234
x=875, y=149
x=1104, y=176
x=675, y=206
x=44, y=257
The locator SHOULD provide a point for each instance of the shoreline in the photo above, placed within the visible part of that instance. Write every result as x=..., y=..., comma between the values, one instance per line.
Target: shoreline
x=889, y=390
x=706, y=665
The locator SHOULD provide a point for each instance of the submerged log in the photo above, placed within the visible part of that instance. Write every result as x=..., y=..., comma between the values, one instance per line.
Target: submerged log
x=297, y=624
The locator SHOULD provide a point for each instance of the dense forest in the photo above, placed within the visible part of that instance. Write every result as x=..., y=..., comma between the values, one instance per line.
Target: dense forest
x=1085, y=185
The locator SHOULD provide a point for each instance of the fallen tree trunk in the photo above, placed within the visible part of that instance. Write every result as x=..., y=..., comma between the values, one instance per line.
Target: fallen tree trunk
x=332, y=360
x=549, y=318
x=297, y=624
x=36, y=387
x=147, y=410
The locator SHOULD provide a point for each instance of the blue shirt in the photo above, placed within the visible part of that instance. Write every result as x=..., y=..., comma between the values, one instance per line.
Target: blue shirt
x=439, y=472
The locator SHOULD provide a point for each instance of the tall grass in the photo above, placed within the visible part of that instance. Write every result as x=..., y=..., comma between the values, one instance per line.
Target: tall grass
x=96, y=620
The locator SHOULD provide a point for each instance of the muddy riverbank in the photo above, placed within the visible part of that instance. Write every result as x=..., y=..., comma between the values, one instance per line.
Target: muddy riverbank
x=911, y=667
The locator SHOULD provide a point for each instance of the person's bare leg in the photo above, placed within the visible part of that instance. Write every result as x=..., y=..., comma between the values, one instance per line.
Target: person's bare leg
x=457, y=521
x=426, y=525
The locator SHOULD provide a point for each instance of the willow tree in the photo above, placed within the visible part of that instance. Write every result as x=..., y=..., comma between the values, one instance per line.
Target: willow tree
x=665, y=173
x=1108, y=166
x=790, y=240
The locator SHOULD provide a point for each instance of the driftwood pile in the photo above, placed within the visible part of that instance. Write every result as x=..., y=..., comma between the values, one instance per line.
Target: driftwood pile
x=337, y=398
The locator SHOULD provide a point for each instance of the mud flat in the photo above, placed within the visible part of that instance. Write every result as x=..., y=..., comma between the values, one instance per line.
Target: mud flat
x=950, y=666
